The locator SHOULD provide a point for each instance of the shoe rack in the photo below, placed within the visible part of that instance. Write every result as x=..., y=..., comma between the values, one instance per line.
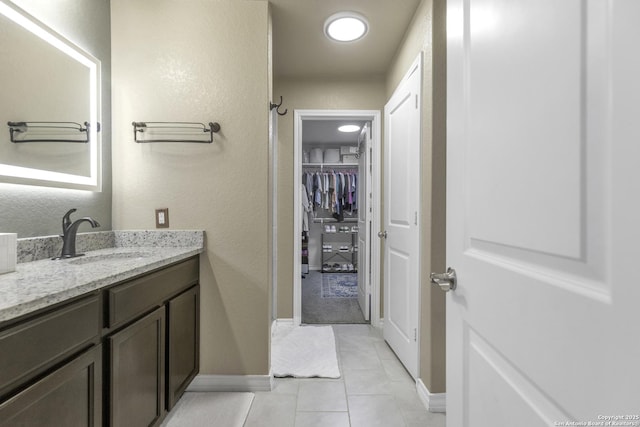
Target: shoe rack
x=340, y=249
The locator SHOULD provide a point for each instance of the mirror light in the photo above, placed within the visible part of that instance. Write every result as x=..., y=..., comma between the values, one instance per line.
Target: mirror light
x=349, y=128
x=23, y=175
x=346, y=27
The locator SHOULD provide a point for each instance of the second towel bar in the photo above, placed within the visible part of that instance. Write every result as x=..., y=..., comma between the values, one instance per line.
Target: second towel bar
x=174, y=128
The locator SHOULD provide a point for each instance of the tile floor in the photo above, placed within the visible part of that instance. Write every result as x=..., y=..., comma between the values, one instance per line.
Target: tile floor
x=223, y=409
x=374, y=390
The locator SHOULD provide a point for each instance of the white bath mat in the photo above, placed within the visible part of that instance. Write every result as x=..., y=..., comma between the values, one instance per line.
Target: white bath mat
x=304, y=352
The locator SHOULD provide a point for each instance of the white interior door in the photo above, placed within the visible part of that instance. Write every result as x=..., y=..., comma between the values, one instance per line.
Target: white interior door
x=401, y=218
x=364, y=222
x=542, y=213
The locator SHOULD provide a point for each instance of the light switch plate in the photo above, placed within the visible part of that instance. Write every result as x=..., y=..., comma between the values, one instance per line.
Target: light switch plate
x=162, y=218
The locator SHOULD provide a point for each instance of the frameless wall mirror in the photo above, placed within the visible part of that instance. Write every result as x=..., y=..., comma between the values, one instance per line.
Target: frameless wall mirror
x=49, y=108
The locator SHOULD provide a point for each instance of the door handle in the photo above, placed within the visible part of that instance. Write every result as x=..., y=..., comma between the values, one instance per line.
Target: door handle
x=382, y=234
x=447, y=281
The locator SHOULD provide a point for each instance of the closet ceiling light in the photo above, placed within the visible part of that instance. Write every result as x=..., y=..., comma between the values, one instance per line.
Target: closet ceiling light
x=349, y=128
x=346, y=27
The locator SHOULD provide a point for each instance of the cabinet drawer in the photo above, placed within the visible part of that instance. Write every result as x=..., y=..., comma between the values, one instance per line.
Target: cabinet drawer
x=29, y=348
x=131, y=299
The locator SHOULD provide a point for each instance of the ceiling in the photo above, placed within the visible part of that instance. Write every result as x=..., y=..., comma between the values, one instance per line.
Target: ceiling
x=326, y=131
x=301, y=50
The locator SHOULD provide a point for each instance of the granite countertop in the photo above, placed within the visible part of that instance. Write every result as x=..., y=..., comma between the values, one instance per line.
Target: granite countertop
x=38, y=284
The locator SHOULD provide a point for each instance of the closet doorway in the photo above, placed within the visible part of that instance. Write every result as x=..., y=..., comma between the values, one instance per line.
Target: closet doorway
x=336, y=200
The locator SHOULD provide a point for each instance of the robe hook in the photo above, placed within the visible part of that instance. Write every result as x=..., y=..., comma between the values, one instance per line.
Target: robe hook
x=277, y=107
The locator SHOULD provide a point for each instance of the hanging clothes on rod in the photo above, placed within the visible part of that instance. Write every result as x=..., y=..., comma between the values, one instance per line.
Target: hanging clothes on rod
x=306, y=208
x=331, y=194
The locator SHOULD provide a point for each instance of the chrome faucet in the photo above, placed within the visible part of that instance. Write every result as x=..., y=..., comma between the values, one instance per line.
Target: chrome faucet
x=69, y=231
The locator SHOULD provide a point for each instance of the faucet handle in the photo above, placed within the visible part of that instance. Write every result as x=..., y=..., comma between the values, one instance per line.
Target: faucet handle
x=66, y=220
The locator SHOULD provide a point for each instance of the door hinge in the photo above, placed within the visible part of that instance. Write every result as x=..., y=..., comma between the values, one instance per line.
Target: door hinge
x=415, y=334
x=415, y=219
x=416, y=101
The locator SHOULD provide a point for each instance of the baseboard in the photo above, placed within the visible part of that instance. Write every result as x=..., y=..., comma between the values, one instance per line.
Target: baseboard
x=231, y=383
x=435, y=402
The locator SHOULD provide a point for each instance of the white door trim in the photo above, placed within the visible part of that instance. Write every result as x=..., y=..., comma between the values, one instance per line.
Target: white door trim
x=375, y=117
x=273, y=219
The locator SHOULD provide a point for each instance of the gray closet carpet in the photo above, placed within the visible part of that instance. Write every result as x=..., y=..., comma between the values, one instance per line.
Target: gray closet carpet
x=319, y=310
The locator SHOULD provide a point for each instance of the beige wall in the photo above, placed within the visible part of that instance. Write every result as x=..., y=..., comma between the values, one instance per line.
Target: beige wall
x=219, y=70
x=37, y=211
x=308, y=94
x=201, y=60
x=426, y=34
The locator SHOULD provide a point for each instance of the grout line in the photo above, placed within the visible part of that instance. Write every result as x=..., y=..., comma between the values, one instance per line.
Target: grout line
x=246, y=417
x=344, y=380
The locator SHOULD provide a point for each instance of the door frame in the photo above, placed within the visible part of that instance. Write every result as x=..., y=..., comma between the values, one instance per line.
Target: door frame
x=273, y=212
x=376, y=142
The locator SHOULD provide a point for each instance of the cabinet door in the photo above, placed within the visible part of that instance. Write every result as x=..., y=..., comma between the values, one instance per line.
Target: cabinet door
x=184, y=343
x=137, y=372
x=69, y=396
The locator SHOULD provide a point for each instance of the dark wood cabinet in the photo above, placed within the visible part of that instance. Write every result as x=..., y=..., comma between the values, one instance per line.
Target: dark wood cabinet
x=133, y=298
x=121, y=356
x=136, y=374
x=70, y=396
x=152, y=326
x=183, y=326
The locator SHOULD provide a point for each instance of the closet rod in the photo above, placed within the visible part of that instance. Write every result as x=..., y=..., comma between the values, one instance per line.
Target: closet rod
x=351, y=171
x=333, y=220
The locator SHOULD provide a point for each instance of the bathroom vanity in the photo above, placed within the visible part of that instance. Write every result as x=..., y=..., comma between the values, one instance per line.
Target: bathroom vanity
x=117, y=344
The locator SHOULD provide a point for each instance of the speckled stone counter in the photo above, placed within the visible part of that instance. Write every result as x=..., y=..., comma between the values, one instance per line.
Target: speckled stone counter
x=37, y=284
x=47, y=247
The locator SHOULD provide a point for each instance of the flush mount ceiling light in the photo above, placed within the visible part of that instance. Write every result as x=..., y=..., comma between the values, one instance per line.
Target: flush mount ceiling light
x=346, y=26
x=349, y=128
